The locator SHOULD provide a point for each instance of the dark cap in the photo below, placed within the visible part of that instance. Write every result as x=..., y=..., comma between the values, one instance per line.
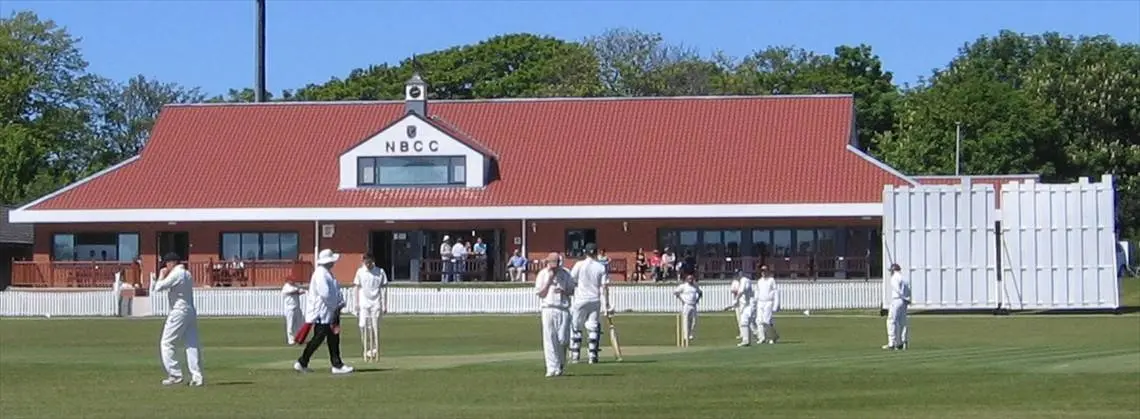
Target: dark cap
x=591, y=248
x=171, y=257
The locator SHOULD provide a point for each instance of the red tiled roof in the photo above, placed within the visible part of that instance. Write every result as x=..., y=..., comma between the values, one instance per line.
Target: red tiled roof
x=636, y=151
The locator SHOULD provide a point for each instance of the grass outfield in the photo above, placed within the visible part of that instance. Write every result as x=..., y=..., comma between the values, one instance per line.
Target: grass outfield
x=490, y=367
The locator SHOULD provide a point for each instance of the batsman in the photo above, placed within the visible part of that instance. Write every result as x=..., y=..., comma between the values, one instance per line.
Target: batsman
x=591, y=281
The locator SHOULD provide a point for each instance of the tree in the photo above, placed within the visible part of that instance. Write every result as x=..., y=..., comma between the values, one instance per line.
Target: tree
x=634, y=63
x=124, y=116
x=517, y=65
x=1069, y=106
x=44, y=106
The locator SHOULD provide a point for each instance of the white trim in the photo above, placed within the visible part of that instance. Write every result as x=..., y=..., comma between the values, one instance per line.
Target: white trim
x=881, y=165
x=74, y=185
x=575, y=212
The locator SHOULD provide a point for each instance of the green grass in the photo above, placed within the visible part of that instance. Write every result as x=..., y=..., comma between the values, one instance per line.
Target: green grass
x=489, y=367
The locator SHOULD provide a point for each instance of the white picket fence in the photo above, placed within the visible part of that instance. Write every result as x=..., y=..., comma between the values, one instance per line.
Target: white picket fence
x=824, y=295
x=1056, y=248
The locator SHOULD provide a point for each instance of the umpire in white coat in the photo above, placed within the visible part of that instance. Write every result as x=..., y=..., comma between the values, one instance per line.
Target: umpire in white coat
x=181, y=323
x=324, y=307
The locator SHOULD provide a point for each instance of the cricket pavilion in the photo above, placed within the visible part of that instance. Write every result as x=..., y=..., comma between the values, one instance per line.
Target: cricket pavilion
x=249, y=192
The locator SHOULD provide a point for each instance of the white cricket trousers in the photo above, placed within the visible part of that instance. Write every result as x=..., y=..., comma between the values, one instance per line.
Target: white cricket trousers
x=555, y=337
x=689, y=320
x=898, y=325
x=765, y=328
x=181, y=325
x=294, y=318
x=746, y=317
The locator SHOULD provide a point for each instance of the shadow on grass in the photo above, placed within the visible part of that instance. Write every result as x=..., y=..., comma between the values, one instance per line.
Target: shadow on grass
x=589, y=374
x=371, y=370
x=234, y=383
x=632, y=361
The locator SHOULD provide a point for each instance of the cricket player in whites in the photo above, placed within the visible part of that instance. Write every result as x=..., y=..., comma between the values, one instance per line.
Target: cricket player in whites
x=554, y=286
x=590, y=282
x=690, y=295
x=369, y=286
x=898, y=325
x=181, y=323
x=294, y=318
x=745, y=299
x=767, y=303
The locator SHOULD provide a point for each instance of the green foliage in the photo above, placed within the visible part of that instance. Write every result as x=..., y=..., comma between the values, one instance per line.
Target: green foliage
x=1059, y=106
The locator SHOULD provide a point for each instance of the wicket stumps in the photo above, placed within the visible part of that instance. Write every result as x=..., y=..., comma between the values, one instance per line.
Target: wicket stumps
x=682, y=336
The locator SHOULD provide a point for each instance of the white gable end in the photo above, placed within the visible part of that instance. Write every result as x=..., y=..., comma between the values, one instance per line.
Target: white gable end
x=412, y=137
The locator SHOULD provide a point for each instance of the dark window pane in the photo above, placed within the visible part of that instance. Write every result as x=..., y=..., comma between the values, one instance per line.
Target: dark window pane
x=732, y=239
x=805, y=242
x=713, y=246
x=689, y=240
x=289, y=246
x=271, y=246
x=128, y=247
x=781, y=243
x=63, y=247
x=576, y=241
x=459, y=169
x=231, y=246
x=825, y=242
x=250, y=246
x=761, y=243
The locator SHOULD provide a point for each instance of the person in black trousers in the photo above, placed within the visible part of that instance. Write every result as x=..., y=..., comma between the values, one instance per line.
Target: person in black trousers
x=325, y=304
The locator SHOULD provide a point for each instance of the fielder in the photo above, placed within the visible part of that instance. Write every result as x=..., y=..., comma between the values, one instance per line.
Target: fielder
x=554, y=286
x=689, y=294
x=767, y=303
x=590, y=281
x=898, y=325
x=181, y=323
x=293, y=315
x=368, y=286
x=745, y=299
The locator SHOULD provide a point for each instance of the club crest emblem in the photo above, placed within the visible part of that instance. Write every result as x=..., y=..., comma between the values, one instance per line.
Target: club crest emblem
x=411, y=131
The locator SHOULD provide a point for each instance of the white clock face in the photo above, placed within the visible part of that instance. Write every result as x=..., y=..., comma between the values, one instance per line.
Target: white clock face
x=415, y=92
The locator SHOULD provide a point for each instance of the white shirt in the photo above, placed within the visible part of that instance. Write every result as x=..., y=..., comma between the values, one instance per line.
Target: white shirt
x=690, y=294
x=444, y=250
x=180, y=285
x=745, y=294
x=459, y=251
x=561, y=278
x=292, y=296
x=369, y=283
x=324, y=296
x=900, y=287
x=765, y=290
x=590, y=279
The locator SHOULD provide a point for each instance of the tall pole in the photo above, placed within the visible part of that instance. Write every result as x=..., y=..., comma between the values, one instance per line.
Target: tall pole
x=957, y=149
x=259, y=77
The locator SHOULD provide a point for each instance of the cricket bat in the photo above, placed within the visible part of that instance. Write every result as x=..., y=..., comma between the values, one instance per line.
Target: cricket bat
x=613, y=336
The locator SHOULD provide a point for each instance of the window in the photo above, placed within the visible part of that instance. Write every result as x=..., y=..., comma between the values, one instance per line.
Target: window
x=576, y=241
x=259, y=246
x=781, y=243
x=761, y=243
x=732, y=239
x=121, y=247
x=411, y=171
x=826, y=244
x=689, y=240
x=805, y=242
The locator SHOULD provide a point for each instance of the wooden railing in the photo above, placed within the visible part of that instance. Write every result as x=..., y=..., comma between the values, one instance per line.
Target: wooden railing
x=433, y=270
x=791, y=267
x=72, y=274
x=249, y=273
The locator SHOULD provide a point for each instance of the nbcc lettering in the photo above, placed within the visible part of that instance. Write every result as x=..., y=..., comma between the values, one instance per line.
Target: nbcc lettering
x=410, y=146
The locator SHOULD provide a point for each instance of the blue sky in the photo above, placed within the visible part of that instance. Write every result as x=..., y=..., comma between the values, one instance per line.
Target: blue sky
x=210, y=43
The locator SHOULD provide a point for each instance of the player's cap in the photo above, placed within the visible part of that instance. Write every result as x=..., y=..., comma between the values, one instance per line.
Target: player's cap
x=171, y=257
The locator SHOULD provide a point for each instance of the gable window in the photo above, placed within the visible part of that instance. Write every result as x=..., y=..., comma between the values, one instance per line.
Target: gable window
x=576, y=241
x=122, y=247
x=411, y=171
x=259, y=246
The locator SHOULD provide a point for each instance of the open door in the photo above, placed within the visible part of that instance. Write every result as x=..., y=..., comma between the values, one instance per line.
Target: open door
x=172, y=242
